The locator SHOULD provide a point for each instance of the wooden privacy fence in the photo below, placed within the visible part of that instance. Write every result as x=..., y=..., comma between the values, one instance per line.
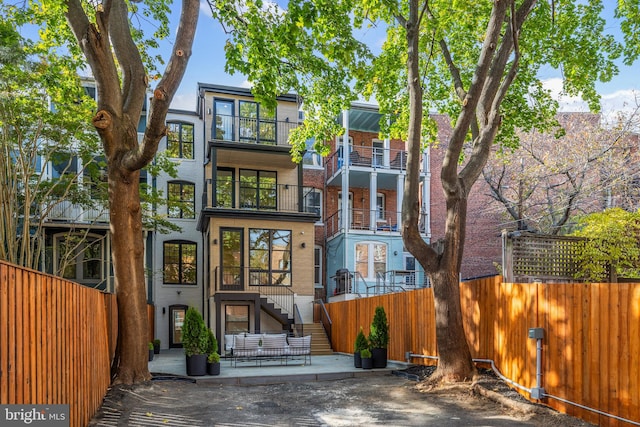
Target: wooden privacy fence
x=591, y=345
x=55, y=342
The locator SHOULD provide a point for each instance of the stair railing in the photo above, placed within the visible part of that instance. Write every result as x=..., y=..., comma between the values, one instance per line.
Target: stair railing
x=321, y=314
x=297, y=322
x=281, y=297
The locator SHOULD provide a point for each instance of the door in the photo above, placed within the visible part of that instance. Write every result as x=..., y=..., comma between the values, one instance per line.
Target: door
x=222, y=128
x=176, y=320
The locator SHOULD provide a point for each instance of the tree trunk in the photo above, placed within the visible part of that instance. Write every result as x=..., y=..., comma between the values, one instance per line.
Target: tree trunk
x=455, y=362
x=128, y=252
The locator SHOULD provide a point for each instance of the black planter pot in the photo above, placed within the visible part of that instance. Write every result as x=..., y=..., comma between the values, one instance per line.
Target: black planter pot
x=150, y=355
x=357, y=359
x=213, y=368
x=367, y=363
x=379, y=356
x=156, y=348
x=197, y=365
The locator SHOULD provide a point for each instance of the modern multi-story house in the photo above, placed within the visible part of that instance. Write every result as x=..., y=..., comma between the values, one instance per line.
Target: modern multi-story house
x=258, y=240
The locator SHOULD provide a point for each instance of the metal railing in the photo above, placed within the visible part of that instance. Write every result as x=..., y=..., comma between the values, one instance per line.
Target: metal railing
x=298, y=325
x=370, y=220
x=368, y=157
x=247, y=130
x=398, y=281
x=68, y=211
x=282, y=297
x=254, y=197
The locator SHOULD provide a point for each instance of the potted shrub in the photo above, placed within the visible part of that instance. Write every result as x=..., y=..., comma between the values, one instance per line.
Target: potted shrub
x=213, y=364
x=150, y=351
x=379, y=338
x=195, y=340
x=360, y=344
x=213, y=358
x=367, y=361
x=156, y=346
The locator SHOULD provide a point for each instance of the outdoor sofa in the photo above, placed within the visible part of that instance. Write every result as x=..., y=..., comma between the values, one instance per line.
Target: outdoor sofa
x=267, y=347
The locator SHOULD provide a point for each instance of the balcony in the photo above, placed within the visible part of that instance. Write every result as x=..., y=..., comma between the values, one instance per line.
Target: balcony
x=368, y=157
x=73, y=213
x=243, y=196
x=246, y=130
x=369, y=221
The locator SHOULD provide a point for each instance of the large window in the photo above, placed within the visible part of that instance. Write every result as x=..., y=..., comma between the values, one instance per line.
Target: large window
x=258, y=189
x=270, y=257
x=181, y=199
x=225, y=193
x=236, y=319
x=180, y=140
x=371, y=258
x=313, y=200
x=179, y=263
x=223, y=120
x=80, y=258
x=257, y=123
x=232, y=258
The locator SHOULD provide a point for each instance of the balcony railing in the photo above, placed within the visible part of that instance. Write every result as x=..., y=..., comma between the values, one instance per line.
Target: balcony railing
x=274, y=286
x=67, y=211
x=368, y=157
x=256, y=197
x=251, y=130
x=369, y=220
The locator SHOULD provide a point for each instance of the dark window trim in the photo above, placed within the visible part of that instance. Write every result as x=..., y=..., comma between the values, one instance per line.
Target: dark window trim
x=180, y=141
x=181, y=215
x=180, y=265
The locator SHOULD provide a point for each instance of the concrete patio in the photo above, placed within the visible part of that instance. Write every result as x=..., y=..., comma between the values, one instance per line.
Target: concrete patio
x=171, y=363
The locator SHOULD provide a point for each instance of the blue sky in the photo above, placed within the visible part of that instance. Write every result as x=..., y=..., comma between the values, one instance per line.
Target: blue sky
x=207, y=66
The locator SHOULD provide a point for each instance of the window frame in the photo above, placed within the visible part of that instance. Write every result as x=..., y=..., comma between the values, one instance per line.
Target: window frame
x=182, y=202
x=265, y=276
x=371, y=262
x=181, y=262
x=313, y=208
x=181, y=143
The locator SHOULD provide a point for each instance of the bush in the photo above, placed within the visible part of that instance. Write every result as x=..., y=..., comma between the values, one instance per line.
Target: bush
x=379, y=331
x=365, y=354
x=361, y=342
x=612, y=242
x=195, y=338
x=212, y=342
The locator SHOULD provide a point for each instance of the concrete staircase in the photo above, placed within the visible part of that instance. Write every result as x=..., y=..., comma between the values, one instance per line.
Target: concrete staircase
x=320, y=345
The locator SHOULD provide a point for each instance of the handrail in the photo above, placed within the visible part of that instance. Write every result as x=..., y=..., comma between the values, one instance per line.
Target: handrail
x=325, y=319
x=281, y=296
x=297, y=321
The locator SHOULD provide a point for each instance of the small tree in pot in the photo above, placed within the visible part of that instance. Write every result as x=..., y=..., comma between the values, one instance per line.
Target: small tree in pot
x=367, y=361
x=195, y=340
x=360, y=344
x=213, y=358
x=379, y=338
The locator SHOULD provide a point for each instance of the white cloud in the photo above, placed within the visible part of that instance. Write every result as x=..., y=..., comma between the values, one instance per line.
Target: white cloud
x=183, y=102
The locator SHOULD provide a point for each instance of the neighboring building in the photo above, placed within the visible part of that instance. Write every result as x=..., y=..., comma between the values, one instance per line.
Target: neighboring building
x=362, y=211
x=178, y=264
x=258, y=241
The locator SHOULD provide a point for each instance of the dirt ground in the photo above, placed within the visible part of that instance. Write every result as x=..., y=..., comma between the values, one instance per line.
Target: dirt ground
x=377, y=400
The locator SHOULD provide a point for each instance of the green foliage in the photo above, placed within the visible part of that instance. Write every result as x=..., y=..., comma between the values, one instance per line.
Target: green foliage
x=361, y=341
x=212, y=342
x=195, y=338
x=379, y=330
x=314, y=48
x=365, y=353
x=613, y=240
x=150, y=346
x=156, y=342
x=213, y=357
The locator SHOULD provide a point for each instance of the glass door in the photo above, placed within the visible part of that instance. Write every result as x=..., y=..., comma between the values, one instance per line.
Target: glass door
x=176, y=320
x=223, y=120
